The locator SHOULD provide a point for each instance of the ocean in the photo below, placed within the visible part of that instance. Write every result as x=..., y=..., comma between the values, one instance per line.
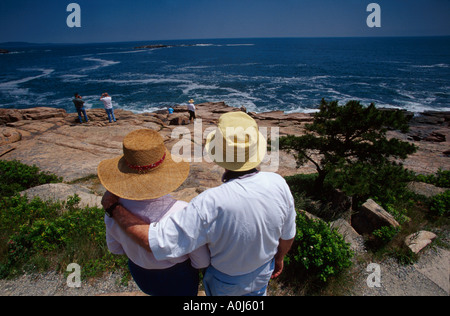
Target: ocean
x=291, y=74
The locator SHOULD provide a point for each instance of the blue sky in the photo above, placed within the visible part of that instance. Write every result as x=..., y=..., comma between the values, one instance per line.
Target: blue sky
x=44, y=21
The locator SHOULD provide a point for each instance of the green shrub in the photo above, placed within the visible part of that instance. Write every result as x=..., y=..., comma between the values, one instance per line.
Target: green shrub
x=17, y=177
x=320, y=250
x=386, y=233
x=384, y=182
x=37, y=235
x=441, y=179
x=440, y=204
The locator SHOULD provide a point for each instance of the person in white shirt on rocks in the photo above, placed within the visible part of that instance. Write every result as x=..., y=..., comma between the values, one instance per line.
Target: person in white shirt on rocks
x=248, y=223
x=107, y=102
x=191, y=110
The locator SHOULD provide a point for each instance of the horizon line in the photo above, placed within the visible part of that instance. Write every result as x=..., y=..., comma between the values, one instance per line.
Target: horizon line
x=222, y=38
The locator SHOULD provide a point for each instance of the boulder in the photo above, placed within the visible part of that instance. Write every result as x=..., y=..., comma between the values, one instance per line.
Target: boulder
x=39, y=113
x=9, y=135
x=178, y=119
x=436, y=137
x=61, y=192
x=9, y=115
x=425, y=189
x=344, y=228
x=371, y=217
x=42, y=113
x=417, y=241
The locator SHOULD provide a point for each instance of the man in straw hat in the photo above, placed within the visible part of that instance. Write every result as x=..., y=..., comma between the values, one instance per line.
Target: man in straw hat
x=248, y=222
x=191, y=110
x=143, y=177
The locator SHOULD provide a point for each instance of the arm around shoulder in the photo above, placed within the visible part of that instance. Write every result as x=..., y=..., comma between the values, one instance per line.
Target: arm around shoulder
x=132, y=225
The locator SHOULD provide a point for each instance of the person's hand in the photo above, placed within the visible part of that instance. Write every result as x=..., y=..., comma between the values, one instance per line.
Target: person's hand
x=279, y=265
x=109, y=199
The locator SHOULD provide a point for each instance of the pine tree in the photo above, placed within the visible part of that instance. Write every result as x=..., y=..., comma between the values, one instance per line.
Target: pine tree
x=342, y=137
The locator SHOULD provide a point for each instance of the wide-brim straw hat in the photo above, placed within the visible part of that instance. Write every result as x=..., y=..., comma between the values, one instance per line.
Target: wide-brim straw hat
x=191, y=101
x=146, y=169
x=236, y=144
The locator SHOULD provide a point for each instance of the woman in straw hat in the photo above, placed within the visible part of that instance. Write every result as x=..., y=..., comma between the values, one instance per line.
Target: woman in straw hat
x=142, y=178
x=248, y=222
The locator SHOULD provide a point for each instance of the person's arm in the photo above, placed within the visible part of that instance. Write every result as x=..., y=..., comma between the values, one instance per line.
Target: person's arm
x=283, y=249
x=132, y=225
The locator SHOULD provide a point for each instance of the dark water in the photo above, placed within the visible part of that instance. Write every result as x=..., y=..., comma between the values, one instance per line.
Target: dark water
x=261, y=74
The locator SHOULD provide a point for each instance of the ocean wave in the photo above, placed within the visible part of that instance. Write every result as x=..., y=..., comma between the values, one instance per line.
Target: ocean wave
x=126, y=52
x=140, y=107
x=13, y=84
x=101, y=63
x=219, y=45
x=415, y=107
x=138, y=81
x=187, y=88
x=72, y=78
x=431, y=66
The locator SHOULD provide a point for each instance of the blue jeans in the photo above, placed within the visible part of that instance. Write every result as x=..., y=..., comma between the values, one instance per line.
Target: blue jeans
x=252, y=284
x=110, y=113
x=180, y=280
x=82, y=111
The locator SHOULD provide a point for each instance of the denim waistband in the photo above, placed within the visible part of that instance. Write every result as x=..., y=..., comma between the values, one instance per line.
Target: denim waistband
x=251, y=284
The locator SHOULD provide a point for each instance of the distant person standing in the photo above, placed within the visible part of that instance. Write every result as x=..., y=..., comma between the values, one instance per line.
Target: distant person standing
x=191, y=109
x=107, y=101
x=79, y=105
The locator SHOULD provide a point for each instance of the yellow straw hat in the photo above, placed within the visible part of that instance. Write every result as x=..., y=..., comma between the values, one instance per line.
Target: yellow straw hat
x=191, y=101
x=145, y=171
x=236, y=144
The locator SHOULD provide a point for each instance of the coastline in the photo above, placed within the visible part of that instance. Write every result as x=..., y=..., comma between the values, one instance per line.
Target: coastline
x=52, y=139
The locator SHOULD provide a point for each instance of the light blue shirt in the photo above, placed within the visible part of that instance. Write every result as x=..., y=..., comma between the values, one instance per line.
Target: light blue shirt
x=240, y=221
x=150, y=211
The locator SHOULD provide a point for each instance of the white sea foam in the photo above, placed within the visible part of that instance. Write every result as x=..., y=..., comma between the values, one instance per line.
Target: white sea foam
x=139, y=81
x=12, y=87
x=432, y=66
x=72, y=78
x=188, y=88
x=139, y=108
x=101, y=63
x=127, y=52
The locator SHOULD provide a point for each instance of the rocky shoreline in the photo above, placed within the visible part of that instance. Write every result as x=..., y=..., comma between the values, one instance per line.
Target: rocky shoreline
x=53, y=139
x=56, y=142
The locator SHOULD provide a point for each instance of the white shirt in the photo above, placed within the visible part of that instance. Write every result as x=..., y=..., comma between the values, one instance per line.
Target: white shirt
x=191, y=107
x=150, y=211
x=107, y=101
x=241, y=221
